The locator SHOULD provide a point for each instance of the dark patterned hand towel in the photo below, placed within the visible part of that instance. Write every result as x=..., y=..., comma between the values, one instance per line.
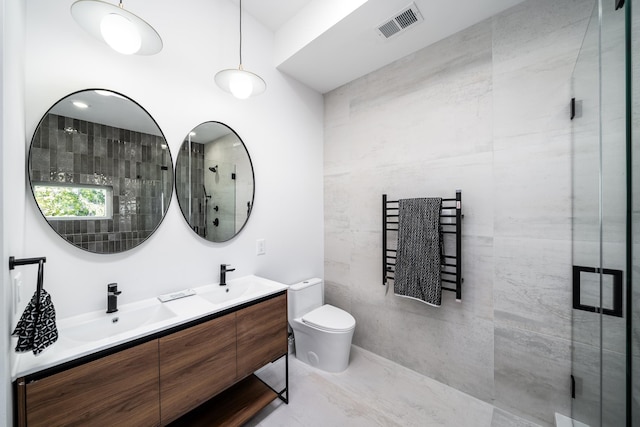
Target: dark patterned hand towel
x=418, y=267
x=36, y=329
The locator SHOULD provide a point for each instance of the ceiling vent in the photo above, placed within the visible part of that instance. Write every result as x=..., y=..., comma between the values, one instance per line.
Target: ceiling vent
x=400, y=22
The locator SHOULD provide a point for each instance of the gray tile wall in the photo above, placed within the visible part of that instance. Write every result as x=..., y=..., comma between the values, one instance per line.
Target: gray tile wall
x=130, y=162
x=485, y=111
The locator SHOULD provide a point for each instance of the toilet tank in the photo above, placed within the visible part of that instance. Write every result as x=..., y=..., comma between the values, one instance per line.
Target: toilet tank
x=304, y=296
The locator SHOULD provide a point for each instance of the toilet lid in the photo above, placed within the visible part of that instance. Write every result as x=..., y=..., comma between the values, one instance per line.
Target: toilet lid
x=330, y=318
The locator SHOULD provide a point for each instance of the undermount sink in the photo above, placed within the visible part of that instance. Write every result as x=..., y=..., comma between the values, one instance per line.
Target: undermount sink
x=108, y=325
x=244, y=288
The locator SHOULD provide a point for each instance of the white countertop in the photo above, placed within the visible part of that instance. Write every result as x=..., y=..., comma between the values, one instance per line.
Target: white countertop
x=89, y=333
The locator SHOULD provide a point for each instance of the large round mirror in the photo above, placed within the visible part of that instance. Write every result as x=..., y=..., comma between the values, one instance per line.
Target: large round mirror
x=100, y=171
x=214, y=181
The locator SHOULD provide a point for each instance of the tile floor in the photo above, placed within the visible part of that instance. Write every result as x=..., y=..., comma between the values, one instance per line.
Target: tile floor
x=373, y=391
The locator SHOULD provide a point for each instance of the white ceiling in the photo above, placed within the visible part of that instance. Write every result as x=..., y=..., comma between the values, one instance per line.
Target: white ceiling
x=273, y=14
x=326, y=55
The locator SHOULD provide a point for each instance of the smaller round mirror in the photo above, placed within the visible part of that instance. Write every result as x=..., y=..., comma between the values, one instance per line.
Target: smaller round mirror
x=214, y=181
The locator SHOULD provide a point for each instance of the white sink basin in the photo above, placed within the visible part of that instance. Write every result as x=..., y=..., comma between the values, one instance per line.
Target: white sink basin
x=111, y=324
x=244, y=289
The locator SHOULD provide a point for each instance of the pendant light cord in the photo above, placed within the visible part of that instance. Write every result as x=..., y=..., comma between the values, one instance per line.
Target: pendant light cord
x=240, y=35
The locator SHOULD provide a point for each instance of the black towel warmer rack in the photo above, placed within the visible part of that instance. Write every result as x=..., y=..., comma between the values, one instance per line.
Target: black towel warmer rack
x=450, y=225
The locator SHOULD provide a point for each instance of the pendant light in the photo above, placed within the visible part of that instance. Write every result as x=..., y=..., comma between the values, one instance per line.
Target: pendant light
x=123, y=31
x=239, y=82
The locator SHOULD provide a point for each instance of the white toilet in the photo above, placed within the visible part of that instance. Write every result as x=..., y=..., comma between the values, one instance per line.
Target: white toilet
x=322, y=333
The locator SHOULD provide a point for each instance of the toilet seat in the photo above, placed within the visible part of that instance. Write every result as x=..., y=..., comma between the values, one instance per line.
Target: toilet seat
x=330, y=318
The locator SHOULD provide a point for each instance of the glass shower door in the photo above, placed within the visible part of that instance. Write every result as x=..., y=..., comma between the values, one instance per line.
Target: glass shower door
x=599, y=222
x=633, y=163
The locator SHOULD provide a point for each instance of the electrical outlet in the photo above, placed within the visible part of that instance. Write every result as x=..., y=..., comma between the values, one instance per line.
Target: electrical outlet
x=261, y=247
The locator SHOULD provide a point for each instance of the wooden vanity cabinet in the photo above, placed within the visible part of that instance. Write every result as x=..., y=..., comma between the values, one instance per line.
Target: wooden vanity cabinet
x=163, y=380
x=196, y=364
x=262, y=334
x=119, y=389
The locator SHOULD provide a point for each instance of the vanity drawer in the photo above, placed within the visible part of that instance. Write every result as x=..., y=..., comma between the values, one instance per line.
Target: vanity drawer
x=262, y=334
x=119, y=389
x=196, y=364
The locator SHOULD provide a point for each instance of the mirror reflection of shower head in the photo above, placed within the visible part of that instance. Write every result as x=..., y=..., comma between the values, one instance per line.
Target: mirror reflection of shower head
x=214, y=169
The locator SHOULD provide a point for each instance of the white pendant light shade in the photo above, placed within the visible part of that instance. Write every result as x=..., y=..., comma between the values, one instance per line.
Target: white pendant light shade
x=123, y=31
x=240, y=83
x=120, y=33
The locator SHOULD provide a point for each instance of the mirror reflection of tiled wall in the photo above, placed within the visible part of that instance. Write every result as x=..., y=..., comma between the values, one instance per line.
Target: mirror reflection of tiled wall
x=195, y=181
x=222, y=186
x=136, y=165
x=213, y=194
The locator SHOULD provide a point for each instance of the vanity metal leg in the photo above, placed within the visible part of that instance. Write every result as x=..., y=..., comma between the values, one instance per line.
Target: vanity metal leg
x=286, y=380
x=284, y=393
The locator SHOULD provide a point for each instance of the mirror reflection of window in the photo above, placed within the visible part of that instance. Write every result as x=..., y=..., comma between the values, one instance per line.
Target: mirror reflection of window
x=60, y=201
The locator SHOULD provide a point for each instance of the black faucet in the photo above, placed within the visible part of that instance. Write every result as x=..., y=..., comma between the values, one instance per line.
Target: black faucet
x=223, y=273
x=112, y=297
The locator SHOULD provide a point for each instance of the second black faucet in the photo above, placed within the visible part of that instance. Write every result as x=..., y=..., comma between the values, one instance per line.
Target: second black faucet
x=223, y=273
x=112, y=297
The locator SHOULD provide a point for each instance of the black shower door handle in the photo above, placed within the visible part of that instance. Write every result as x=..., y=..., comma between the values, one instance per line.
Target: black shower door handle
x=616, y=310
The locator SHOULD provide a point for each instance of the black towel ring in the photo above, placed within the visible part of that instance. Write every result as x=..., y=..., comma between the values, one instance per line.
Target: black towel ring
x=13, y=263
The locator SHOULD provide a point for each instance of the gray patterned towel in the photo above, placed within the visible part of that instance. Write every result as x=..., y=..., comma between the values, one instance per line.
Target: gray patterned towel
x=418, y=267
x=36, y=329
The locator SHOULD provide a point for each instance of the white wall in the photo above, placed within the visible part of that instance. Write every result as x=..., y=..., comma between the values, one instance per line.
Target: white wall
x=11, y=160
x=282, y=130
x=5, y=390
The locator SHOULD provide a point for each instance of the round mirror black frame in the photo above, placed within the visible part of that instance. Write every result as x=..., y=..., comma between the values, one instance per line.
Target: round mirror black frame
x=105, y=188
x=207, y=189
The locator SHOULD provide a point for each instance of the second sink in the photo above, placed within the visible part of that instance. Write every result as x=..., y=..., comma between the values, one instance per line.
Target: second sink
x=245, y=288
